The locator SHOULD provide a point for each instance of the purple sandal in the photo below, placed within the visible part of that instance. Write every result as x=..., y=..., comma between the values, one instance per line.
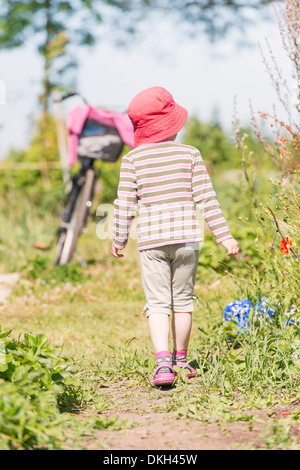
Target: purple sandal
x=181, y=362
x=164, y=374
x=186, y=367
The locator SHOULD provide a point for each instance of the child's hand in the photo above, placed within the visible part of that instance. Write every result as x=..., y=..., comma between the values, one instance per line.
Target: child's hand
x=115, y=252
x=231, y=246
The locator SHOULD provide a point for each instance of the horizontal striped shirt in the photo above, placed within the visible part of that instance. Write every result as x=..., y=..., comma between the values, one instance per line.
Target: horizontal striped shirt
x=165, y=183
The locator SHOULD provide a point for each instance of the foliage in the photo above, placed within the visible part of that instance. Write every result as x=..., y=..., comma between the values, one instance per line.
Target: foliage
x=42, y=183
x=212, y=141
x=215, y=19
x=269, y=351
x=41, y=268
x=38, y=387
x=279, y=217
x=33, y=381
x=57, y=31
x=109, y=178
x=216, y=146
x=54, y=26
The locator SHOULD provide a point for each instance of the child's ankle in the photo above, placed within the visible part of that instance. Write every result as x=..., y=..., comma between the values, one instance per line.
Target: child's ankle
x=179, y=356
x=164, y=357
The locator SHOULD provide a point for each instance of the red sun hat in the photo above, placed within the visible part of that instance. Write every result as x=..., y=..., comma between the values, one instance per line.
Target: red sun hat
x=155, y=116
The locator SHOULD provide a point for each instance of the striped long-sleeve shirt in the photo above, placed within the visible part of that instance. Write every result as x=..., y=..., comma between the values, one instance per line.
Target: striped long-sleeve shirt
x=165, y=182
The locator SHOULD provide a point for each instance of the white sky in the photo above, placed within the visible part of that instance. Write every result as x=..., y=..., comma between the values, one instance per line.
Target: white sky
x=202, y=77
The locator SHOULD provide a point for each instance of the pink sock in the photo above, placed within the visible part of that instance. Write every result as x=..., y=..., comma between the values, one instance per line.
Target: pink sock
x=163, y=356
x=180, y=353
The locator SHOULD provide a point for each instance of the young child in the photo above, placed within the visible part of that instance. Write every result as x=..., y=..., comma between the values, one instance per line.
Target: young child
x=166, y=180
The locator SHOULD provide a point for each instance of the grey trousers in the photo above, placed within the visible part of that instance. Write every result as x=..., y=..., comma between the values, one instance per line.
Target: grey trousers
x=168, y=276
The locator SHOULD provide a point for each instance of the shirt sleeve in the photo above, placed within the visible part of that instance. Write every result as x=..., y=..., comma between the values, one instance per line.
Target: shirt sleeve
x=126, y=203
x=206, y=200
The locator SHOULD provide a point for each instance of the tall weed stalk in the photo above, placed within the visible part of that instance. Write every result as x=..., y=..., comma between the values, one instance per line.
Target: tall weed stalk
x=269, y=350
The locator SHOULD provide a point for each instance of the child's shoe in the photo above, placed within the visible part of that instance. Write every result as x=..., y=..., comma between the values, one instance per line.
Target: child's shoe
x=179, y=359
x=164, y=373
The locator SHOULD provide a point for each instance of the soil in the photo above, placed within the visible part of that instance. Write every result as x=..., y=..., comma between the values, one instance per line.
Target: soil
x=154, y=430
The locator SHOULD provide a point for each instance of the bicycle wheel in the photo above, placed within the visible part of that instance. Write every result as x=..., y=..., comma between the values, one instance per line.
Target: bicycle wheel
x=67, y=241
x=59, y=247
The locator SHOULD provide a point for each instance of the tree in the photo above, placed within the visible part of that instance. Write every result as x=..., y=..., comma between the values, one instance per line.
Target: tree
x=216, y=146
x=60, y=25
x=55, y=25
x=215, y=17
x=212, y=141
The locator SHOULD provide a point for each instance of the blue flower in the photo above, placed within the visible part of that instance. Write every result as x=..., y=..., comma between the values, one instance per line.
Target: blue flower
x=238, y=311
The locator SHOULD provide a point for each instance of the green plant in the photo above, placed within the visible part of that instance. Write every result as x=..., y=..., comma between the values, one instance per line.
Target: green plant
x=276, y=225
x=41, y=268
x=34, y=379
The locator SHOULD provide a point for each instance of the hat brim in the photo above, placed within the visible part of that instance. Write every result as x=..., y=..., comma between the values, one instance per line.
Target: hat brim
x=162, y=128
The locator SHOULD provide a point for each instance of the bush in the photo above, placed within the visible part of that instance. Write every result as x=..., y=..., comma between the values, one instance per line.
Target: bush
x=216, y=146
x=34, y=382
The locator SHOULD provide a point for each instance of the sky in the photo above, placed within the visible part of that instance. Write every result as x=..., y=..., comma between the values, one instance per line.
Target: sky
x=204, y=78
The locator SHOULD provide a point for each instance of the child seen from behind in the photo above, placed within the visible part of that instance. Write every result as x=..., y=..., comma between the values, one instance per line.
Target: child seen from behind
x=166, y=180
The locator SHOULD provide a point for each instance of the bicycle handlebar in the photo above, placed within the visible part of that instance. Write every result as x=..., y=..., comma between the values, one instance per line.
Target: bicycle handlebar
x=70, y=94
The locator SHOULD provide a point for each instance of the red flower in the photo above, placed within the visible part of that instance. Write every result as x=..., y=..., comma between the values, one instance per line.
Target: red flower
x=283, y=246
x=282, y=141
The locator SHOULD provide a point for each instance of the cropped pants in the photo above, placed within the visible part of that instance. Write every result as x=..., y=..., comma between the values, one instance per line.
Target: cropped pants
x=168, y=276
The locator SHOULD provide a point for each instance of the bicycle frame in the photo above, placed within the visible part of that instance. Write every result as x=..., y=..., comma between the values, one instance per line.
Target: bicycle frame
x=76, y=181
x=70, y=198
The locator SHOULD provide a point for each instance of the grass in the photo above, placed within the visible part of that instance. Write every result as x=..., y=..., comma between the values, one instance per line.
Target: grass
x=94, y=315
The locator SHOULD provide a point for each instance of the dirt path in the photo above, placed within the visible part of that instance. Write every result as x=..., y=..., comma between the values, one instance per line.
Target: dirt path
x=164, y=431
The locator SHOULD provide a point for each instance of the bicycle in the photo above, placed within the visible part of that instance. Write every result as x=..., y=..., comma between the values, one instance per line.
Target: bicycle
x=97, y=140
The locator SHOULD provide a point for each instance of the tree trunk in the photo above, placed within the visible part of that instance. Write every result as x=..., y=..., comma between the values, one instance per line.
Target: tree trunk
x=46, y=81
